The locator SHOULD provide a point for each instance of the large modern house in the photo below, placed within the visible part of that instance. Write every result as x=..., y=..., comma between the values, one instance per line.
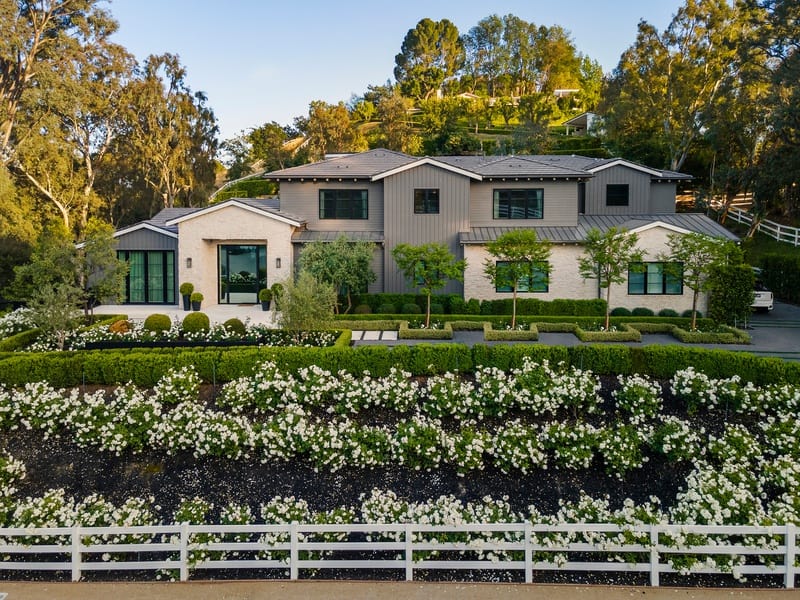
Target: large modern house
x=232, y=249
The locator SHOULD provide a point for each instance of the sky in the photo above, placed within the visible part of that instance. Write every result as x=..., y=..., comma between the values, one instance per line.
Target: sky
x=262, y=60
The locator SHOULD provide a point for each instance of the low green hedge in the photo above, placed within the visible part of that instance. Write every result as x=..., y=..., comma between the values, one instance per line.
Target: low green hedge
x=146, y=367
x=23, y=339
x=490, y=334
x=405, y=333
x=624, y=333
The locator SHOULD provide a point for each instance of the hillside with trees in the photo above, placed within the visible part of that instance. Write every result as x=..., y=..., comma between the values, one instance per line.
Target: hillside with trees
x=87, y=130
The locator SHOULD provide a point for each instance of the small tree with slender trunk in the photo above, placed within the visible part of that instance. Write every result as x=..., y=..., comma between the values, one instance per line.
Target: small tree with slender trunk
x=694, y=257
x=525, y=257
x=428, y=267
x=607, y=258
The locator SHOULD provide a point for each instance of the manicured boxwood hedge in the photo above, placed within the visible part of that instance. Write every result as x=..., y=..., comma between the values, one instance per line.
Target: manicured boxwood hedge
x=146, y=367
x=27, y=337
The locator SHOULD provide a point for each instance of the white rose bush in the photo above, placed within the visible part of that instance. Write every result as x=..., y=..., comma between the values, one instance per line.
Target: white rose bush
x=737, y=444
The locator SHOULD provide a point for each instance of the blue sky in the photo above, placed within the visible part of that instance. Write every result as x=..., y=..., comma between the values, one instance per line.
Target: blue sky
x=261, y=61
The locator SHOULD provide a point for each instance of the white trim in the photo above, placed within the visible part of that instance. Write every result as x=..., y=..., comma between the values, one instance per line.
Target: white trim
x=226, y=204
x=621, y=162
x=653, y=224
x=426, y=161
x=139, y=226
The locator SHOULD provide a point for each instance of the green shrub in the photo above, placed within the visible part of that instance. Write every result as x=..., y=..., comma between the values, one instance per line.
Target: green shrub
x=186, y=288
x=362, y=309
x=196, y=297
x=387, y=308
x=458, y=306
x=157, y=323
x=687, y=314
x=404, y=333
x=235, y=325
x=196, y=322
x=641, y=311
x=410, y=308
x=781, y=274
x=473, y=307
x=534, y=306
x=437, y=309
x=667, y=312
x=620, y=311
x=527, y=335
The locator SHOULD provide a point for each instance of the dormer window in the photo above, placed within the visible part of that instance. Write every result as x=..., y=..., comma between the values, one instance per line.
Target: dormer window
x=426, y=201
x=519, y=204
x=617, y=194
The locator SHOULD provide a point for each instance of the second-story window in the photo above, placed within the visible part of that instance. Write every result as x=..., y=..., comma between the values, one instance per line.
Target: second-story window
x=617, y=194
x=426, y=201
x=519, y=204
x=343, y=204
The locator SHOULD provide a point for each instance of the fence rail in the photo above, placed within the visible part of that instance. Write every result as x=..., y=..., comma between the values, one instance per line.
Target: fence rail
x=776, y=231
x=291, y=549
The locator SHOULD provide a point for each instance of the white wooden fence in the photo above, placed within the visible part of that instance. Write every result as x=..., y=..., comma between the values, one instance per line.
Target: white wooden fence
x=406, y=548
x=782, y=233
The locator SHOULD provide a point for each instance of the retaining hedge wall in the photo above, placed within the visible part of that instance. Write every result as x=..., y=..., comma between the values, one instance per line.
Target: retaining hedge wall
x=217, y=365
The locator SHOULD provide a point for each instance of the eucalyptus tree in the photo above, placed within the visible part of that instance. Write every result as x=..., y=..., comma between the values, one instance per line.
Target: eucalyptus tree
x=329, y=128
x=667, y=82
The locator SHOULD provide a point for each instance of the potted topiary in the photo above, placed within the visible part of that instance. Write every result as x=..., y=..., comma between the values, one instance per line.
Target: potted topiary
x=197, y=299
x=186, y=290
x=265, y=297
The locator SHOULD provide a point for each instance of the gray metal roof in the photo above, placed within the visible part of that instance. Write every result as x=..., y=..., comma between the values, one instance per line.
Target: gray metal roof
x=363, y=165
x=301, y=237
x=366, y=165
x=693, y=222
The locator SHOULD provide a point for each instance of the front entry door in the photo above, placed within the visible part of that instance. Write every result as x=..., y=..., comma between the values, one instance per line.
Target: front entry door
x=242, y=273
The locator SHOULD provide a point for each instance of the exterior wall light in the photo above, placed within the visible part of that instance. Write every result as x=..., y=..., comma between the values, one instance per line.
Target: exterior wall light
x=278, y=263
x=189, y=262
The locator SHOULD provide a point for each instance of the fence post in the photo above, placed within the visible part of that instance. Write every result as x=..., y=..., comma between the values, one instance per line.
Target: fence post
x=788, y=561
x=184, y=551
x=654, y=559
x=409, y=539
x=528, y=553
x=76, y=553
x=293, y=552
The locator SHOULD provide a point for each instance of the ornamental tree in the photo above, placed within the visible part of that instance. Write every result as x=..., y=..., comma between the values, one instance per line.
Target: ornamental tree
x=607, y=258
x=344, y=263
x=428, y=267
x=525, y=257
x=694, y=257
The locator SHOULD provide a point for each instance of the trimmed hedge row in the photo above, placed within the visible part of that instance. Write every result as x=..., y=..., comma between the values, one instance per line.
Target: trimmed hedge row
x=26, y=338
x=146, y=367
x=781, y=274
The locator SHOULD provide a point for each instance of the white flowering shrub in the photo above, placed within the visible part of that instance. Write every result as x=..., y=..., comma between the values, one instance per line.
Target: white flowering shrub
x=678, y=439
x=196, y=511
x=15, y=322
x=735, y=445
x=518, y=447
x=638, y=397
x=700, y=391
x=285, y=435
x=420, y=443
x=780, y=435
x=620, y=446
x=278, y=511
x=494, y=391
x=544, y=390
x=53, y=509
x=11, y=472
x=466, y=449
x=178, y=385
x=573, y=445
x=265, y=392
x=781, y=472
x=449, y=395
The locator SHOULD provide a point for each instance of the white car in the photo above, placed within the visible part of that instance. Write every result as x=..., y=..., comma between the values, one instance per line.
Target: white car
x=762, y=299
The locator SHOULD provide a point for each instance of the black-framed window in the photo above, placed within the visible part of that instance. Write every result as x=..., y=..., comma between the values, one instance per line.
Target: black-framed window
x=617, y=194
x=426, y=201
x=151, y=276
x=653, y=278
x=535, y=281
x=519, y=204
x=343, y=204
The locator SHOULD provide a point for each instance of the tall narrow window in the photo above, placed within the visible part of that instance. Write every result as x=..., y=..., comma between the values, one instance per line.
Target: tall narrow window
x=426, y=201
x=519, y=204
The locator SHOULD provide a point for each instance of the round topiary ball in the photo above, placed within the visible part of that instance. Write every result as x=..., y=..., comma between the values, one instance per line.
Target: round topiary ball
x=387, y=309
x=641, y=311
x=620, y=311
x=362, y=309
x=667, y=312
x=157, y=323
x=688, y=314
x=410, y=308
x=196, y=322
x=437, y=309
x=235, y=325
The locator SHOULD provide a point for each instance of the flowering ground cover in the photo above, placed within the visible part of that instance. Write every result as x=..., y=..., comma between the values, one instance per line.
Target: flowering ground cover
x=541, y=442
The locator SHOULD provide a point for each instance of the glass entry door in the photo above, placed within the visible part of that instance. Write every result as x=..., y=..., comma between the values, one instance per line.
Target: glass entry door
x=242, y=273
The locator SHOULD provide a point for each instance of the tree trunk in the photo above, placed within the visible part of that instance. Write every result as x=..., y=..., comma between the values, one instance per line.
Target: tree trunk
x=608, y=306
x=514, y=309
x=694, y=311
x=428, y=313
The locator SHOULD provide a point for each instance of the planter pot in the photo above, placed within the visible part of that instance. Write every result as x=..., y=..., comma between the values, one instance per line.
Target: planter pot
x=195, y=305
x=186, y=302
x=265, y=305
